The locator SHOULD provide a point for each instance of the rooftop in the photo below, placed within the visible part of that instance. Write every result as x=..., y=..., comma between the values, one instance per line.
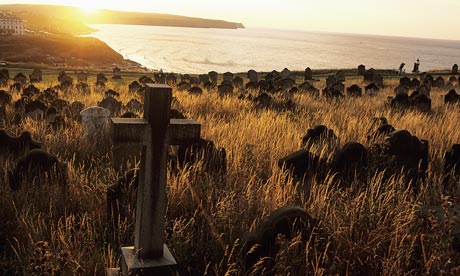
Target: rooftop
x=6, y=15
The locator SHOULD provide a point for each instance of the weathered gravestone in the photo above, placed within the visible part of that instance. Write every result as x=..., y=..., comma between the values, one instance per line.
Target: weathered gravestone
x=253, y=76
x=94, y=121
x=82, y=77
x=308, y=75
x=116, y=73
x=361, y=70
x=340, y=76
x=455, y=69
x=228, y=76
x=149, y=255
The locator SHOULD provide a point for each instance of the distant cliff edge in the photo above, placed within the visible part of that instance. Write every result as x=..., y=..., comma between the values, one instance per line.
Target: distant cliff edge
x=157, y=19
x=72, y=20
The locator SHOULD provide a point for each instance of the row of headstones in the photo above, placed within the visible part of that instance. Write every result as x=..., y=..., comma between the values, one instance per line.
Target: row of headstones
x=37, y=76
x=37, y=105
x=420, y=97
x=257, y=245
x=396, y=151
x=37, y=165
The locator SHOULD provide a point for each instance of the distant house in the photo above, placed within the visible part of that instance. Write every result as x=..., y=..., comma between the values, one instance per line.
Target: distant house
x=11, y=24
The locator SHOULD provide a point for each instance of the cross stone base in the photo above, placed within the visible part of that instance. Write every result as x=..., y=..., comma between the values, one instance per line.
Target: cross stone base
x=133, y=266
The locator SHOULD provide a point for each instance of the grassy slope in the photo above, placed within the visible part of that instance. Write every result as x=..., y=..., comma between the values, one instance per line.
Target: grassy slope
x=63, y=49
x=375, y=230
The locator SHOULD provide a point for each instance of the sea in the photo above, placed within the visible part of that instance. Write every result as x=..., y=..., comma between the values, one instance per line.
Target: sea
x=196, y=50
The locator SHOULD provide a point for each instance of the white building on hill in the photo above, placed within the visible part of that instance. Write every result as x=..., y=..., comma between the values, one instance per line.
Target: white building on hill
x=11, y=25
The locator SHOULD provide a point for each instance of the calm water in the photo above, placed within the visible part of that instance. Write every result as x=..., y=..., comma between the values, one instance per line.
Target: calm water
x=191, y=50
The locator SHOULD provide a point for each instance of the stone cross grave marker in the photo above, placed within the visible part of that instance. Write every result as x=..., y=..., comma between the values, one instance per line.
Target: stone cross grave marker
x=149, y=255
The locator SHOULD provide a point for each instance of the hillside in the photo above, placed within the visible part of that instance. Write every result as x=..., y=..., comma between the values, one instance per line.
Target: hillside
x=71, y=20
x=50, y=50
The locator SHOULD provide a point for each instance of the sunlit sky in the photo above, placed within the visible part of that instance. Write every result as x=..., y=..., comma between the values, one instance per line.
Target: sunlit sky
x=414, y=18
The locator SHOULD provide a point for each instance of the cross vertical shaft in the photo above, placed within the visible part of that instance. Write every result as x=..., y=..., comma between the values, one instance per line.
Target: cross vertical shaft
x=152, y=201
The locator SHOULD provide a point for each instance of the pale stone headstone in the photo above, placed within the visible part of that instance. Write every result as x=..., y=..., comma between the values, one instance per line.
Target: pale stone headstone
x=94, y=120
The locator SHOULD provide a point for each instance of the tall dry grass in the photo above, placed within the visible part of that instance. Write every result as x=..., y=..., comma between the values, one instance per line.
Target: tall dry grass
x=372, y=230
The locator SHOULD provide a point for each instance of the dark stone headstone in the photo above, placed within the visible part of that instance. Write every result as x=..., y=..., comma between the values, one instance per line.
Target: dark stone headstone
x=361, y=70
x=36, y=165
x=455, y=69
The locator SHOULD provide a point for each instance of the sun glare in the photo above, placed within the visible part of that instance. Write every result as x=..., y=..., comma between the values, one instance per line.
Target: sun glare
x=89, y=7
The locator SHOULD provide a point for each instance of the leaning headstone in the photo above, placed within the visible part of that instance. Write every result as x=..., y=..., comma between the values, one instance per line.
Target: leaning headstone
x=19, y=144
x=340, y=76
x=94, y=121
x=111, y=104
x=36, y=76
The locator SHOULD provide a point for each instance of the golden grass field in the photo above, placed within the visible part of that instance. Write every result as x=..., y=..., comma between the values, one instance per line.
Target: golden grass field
x=375, y=230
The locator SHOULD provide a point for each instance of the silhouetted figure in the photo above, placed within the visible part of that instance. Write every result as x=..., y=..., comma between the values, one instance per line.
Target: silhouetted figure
x=416, y=66
x=401, y=68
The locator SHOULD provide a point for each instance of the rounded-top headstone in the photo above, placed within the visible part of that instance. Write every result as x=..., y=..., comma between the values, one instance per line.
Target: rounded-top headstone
x=94, y=120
